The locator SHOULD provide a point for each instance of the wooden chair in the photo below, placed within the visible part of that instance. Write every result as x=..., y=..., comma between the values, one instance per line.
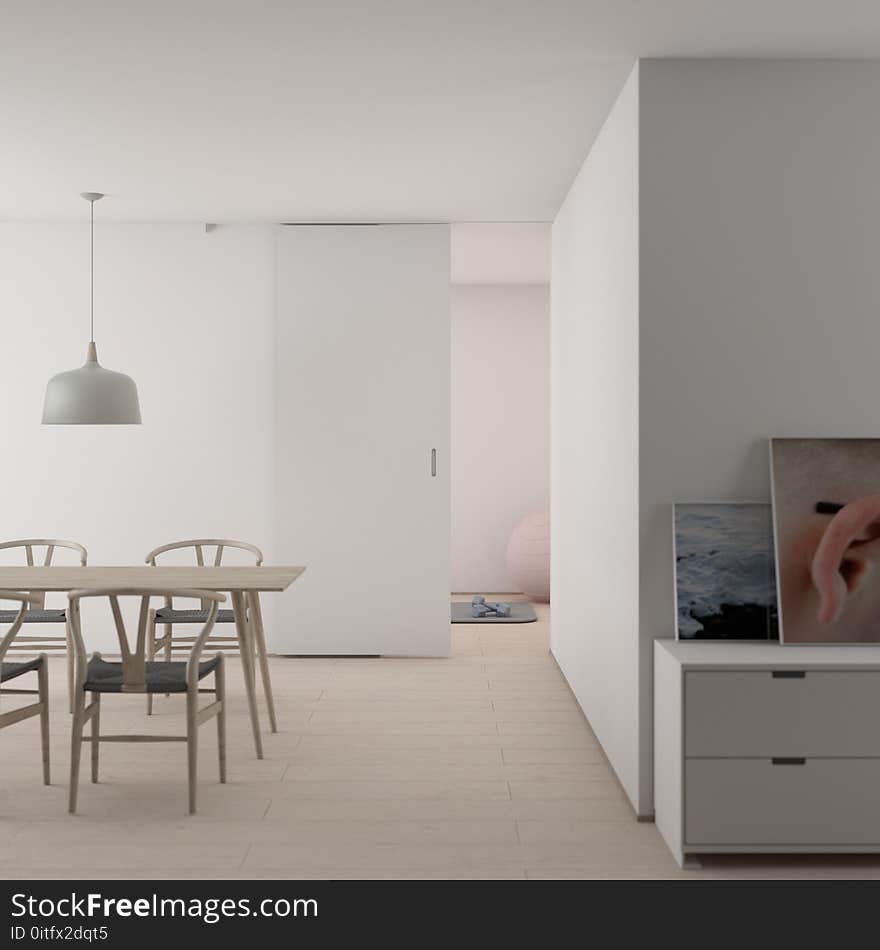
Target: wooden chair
x=11, y=671
x=37, y=613
x=135, y=674
x=168, y=616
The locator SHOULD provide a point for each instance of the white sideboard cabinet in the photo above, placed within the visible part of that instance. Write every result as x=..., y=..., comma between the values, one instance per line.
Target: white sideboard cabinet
x=766, y=748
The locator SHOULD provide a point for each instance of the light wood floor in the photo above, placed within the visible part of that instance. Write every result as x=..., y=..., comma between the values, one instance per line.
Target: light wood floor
x=478, y=766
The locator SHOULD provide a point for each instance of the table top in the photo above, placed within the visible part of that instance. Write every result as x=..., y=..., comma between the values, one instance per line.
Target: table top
x=745, y=655
x=161, y=577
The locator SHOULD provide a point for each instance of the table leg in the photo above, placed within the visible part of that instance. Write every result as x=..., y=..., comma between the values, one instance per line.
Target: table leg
x=239, y=608
x=259, y=640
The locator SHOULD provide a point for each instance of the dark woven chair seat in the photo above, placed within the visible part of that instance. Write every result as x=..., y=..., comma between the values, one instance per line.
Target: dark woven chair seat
x=9, y=671
x=104, y=677
x=169, y=615
x=35, y=616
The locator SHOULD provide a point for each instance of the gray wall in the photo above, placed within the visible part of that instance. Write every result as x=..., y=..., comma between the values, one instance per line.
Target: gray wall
x=759, y=286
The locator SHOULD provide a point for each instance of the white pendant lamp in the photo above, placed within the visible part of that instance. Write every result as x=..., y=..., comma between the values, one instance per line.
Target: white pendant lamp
x=91, y=395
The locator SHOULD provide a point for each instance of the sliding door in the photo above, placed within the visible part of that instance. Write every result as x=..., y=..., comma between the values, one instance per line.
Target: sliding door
x=362, y=438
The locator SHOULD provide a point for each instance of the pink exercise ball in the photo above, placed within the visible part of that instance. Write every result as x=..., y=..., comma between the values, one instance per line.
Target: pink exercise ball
x=528, y=556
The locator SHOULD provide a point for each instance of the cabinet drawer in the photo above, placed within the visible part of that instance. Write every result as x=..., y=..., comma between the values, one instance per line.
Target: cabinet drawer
x=754, y=802
x=757, y=713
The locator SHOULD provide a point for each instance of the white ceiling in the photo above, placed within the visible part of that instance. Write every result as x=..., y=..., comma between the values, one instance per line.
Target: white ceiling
x=346, y=110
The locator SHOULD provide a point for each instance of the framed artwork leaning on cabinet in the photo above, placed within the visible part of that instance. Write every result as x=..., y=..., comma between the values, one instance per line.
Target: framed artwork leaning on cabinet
x=725, y=583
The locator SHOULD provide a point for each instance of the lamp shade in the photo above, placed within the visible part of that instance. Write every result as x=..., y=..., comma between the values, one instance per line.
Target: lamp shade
x=91, y=395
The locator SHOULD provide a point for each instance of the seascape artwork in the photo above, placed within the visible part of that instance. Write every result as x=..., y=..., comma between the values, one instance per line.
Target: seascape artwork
x=725, y=581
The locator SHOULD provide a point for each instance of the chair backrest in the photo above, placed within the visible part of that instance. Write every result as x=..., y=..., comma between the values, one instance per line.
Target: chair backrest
x=200, y=544
x=24, y=600
x=45, y=552
x=134, y=654
x=214, y=547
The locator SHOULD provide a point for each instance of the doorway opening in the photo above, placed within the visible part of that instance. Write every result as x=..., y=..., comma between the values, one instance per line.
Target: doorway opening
x=500, y=436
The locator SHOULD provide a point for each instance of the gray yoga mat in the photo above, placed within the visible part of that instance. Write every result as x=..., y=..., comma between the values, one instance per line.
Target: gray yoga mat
x=519, y=613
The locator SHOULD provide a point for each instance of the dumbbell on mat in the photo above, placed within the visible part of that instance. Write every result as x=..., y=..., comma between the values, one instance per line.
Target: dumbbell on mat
x=479, y=608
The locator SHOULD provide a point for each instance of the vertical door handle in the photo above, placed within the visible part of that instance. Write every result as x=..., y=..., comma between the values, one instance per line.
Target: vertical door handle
x=433, y=463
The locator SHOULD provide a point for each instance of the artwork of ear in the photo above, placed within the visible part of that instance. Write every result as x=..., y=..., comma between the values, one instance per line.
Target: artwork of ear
x=725, y=586
x=826, y=507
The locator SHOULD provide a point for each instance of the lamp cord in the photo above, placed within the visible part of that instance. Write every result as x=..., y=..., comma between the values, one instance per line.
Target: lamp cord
x=92, y=275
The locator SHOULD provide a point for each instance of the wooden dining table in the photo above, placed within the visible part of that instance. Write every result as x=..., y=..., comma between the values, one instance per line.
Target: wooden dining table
x=244, y=584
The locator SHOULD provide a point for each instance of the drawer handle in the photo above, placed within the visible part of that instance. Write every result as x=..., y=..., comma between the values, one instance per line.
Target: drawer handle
x=788, y=760
x=789, y=674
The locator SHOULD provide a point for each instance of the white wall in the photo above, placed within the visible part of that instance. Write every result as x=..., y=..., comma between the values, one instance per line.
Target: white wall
x=760, y=237
x=500, y=253
x=594, y=480
x=725, y=228
x=189, y=316
x=500, y=424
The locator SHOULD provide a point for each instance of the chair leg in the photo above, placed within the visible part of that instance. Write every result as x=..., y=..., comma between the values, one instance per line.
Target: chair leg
x=70, y=666
x=169, y=634
x=43, y=678
x=79, y=714
x=256, y=613
x=151, y=653
x=192, y=746
x=220, y=693
x=96, y=734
